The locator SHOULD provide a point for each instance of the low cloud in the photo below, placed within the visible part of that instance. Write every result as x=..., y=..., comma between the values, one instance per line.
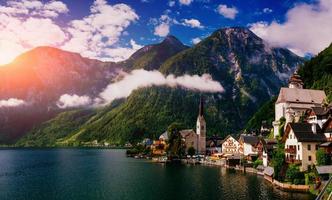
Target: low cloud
x=196, y=40
x=227, y=12
x=142, y=78
x=307, y=28
x=73, y=101
x=193, y=23
x=12, y=102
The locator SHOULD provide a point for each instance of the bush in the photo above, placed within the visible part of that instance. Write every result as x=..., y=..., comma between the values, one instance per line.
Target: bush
x=257, y=162
x=322, y=157
x=191, y=151
x=294, y=175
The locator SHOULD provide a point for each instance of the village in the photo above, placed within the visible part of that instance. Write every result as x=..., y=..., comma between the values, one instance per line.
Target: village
x=293, y=153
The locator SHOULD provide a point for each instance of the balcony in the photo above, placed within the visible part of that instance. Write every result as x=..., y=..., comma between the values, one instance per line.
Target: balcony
x=290, y=150
x=293, y=161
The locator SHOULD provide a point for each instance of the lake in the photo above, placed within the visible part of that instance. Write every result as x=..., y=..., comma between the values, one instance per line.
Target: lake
x=46, y=174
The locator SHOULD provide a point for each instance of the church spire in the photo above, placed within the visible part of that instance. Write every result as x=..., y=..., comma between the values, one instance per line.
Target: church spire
x=201, y=106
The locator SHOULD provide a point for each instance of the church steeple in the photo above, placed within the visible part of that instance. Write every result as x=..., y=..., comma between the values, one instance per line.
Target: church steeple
x=201, y=107
x=295, y=81
x=201, y=128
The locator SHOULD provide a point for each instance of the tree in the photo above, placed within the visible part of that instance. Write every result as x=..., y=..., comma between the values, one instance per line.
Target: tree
x=322, y=157
x=176, y=147
x=282, y=122
x=191, y=151
x=278, y=161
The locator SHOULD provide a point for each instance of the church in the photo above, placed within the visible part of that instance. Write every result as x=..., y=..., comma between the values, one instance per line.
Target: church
x=293, y=102
x=192, y=138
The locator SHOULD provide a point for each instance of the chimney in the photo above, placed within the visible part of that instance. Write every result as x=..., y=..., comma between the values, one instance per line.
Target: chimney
x=314, y=128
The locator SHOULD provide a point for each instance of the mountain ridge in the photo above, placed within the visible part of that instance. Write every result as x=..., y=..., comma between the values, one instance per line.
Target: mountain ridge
x=250, y=72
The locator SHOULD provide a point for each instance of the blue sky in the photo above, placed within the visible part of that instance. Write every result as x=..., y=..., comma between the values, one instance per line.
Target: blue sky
x=113, y=29
x=142, y=31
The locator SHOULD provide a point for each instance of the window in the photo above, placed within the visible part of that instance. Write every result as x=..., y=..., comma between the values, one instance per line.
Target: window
x=298, y=147
x=309, y=147
x=290, y=136
x=317, y=147
x=309, y=158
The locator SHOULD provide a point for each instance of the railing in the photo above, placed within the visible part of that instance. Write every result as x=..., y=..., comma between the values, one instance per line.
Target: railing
x=326, y=193
x=293, y=161
x=291, y=150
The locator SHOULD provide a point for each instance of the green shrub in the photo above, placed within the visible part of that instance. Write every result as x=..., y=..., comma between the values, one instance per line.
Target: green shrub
x=257, y=162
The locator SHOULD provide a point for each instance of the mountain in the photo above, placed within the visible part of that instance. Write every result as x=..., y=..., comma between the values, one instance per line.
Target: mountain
x=152, y=56
x=39, y=77
x=250, y=71
x=42, y=75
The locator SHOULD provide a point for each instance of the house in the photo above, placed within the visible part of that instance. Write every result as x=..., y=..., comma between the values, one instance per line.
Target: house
x=327, y=130
x=248, y=145
x=190, y=139
x=293, y=102
x=230, y=146
x=213, y=145
x=265, y=150
x=302, y=140
x=265, y=128
x=318, y=115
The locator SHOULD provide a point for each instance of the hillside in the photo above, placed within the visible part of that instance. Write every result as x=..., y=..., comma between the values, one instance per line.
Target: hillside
x=317, y=72
x=153, y=56
x=39, y=77
x=249, y=70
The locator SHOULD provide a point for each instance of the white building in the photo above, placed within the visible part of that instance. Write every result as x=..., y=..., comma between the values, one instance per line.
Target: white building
x=248, y=145
x=230, y=146
x=302, y=140
x=293, y=101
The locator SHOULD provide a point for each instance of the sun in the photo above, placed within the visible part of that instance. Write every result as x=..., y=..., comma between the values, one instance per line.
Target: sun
x=9, y=51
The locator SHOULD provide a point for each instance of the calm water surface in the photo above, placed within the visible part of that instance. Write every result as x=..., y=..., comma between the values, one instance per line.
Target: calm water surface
x=107, y=174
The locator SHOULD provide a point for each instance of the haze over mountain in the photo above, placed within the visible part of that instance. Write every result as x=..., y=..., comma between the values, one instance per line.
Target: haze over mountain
x=248, y=69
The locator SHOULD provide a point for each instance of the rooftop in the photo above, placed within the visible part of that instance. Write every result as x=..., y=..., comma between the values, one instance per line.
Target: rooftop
x=296, y=95
x=304, y=133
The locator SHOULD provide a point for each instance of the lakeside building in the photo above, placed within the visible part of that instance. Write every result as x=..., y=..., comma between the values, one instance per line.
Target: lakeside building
x=265, y=149
x=214, y=145
x=248, y=145
x=302, y=140
x=230, y=146
x=293, y=102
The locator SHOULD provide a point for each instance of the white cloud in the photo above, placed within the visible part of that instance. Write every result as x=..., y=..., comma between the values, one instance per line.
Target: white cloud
x=25, y=24
x=18, y=35
x=196, y=40
x=307, y=28
x=171, y=3
x=267, y=10
x=162, y=25
x=34, y=8
x=73, y=101
x=193, y=23
x=12, y=102
x=162, y=29
x=227, y=12
x=122, y=53
x=94, y=35
x=185, y=2
x=142, y=78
